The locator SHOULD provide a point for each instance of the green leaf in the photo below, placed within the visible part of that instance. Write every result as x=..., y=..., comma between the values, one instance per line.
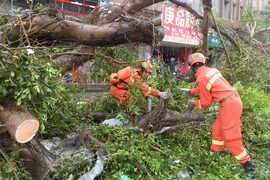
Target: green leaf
x=18, y=102
x=42, y=127
x=36, y=88
x=12, y=74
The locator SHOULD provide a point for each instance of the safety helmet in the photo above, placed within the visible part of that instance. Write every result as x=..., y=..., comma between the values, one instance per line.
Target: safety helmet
x=114, y=78
x=147, y=66
x=196, y=58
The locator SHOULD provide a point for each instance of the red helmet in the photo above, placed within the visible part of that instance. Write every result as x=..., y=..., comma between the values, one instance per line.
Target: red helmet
x=147, y=66
x=196, y=58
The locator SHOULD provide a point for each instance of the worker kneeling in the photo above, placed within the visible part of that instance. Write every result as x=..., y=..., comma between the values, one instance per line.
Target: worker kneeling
x=122, y=81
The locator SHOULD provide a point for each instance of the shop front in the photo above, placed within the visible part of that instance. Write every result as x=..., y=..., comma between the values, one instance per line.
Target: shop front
x=181, y=37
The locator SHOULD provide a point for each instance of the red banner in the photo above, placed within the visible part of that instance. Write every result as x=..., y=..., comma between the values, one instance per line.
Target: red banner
x=180, y=25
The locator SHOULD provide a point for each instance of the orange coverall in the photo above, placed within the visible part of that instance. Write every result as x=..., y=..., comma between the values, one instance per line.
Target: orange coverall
x=120, y=90
x=75, y=74
x=212, y=87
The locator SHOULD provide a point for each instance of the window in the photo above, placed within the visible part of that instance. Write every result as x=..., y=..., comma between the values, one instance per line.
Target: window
x=234, y=12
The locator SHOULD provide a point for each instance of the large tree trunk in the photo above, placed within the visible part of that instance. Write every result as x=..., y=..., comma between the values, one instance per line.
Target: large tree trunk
x=74, y=59
x=50, y=24
x=21, y=124
x=207, y=4
x=37, y=159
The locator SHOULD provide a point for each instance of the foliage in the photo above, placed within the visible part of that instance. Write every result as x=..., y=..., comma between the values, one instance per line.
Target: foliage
x=250, y=68
x=103, y=68
x=14, y=165
x=248, y=15
x=69, y=168
x=35, y=84
x=251, y=63
x=144, y=155
x=257, y=18
x=256, y=109
x=263, y=22
x=264, y=19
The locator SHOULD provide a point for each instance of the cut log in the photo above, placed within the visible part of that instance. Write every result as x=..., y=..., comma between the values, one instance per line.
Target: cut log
x=21, y=124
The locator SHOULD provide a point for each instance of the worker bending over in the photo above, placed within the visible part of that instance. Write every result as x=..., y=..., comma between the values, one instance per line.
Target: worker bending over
x=122, y=81
x=213, y=87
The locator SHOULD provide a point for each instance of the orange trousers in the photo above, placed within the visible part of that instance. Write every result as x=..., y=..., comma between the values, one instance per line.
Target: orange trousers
x=227, y=131
x=121, y=95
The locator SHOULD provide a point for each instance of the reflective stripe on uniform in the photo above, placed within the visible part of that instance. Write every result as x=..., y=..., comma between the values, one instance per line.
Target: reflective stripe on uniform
x=212, y=80
x=216, y=142
x=243, y=154
x=211, y=73
x=199, y=103
x=148, y=91
x=131, y=77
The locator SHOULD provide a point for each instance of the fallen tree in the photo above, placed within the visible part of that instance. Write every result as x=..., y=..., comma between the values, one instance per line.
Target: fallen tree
x=119, y=27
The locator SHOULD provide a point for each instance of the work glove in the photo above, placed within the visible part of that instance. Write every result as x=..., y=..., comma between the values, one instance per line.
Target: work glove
x=191, y=105
x=164, y=95
x=184, y=90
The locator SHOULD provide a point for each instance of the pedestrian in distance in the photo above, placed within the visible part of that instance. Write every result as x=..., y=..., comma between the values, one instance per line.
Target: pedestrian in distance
x=226, y=130
x=122, y=81
x=172, y=63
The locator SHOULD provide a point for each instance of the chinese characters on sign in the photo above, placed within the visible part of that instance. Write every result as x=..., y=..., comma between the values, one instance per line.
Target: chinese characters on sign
x=179, y=25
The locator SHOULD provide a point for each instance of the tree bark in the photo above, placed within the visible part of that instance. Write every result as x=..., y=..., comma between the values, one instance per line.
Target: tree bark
x=71, y=60
x=50, y=24
x=158, y=118
x=207, y=6
x=21, y=124
x=37, y=159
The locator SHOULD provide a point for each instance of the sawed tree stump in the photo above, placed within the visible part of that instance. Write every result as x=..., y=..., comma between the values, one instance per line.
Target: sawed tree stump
x=21, y=124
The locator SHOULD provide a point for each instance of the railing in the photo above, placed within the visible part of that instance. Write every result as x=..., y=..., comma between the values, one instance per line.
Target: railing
x=78, y=4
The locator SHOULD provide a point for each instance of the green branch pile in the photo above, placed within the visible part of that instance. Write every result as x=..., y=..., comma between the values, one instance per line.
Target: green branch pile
x=36, y=84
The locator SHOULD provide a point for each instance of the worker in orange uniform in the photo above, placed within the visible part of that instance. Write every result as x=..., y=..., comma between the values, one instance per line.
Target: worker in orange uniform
x=75, y=74
x=123, y=79
x=213, y=87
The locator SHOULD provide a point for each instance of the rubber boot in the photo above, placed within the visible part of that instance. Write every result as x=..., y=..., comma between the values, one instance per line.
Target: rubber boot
x=249, y=169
